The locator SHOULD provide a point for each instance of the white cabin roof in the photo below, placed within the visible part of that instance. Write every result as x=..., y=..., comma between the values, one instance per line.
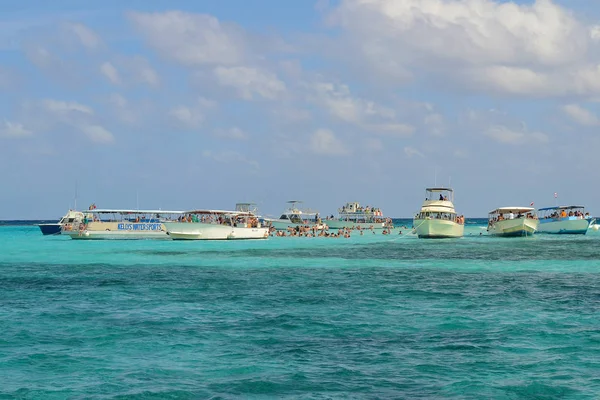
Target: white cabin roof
x=219, y=212
x=504, y=210
x=118, y=211
x=439, y=189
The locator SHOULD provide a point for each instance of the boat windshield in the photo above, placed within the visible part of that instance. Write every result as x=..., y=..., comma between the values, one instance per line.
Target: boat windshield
x=295, y=218
x=439, y=194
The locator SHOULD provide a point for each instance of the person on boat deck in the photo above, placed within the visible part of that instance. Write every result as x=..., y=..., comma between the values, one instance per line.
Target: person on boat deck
x=511, y=215
x=441, y=197
x=563, y=214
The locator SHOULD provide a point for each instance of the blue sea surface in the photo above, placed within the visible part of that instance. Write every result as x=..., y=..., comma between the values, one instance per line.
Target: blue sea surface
x=373, y=316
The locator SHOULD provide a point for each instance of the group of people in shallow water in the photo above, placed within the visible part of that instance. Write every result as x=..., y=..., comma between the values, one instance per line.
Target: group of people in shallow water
x=316, y=231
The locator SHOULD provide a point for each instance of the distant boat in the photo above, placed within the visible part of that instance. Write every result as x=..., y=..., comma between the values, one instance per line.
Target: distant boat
x=293, y=216
x=564, y=220
x=353, y=215
x=437, y=217
x=56, y=228
x=512, y=221
x=120, y=224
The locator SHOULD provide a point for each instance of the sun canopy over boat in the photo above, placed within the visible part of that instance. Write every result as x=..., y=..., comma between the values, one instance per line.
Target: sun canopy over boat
x=505, y=210
x=246, y=207
x=561, y=208
x=220, y=212
x=445, y=194
x=111, y=211
x=439, y=189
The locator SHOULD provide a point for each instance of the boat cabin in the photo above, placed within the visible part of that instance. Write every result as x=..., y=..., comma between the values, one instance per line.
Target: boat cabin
x=298, y=216
x=503, y=213
x=438, y=204
x=356, y=208
x=73, y=216
x=132, y=216
x=563, y=213
x=221, y=217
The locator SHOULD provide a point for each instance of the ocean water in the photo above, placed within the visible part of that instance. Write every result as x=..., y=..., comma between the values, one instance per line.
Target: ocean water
x=372, y=316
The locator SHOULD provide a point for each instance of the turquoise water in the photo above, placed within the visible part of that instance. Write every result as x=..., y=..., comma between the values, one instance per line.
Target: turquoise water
x=367, y=317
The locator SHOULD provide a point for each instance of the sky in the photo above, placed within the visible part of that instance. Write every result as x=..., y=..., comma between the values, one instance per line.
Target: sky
x=203, y=104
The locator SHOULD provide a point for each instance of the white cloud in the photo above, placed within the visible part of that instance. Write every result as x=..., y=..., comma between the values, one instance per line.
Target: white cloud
x=595, y=33
x=85, y=35
x=98, y=134
x=149, y=76
x=231, y=157
x=391, y=129
x=250, y=81
x=324, y=141
x=581, y=115
x=63, y=107
x=461, y=153
x=118, y=100
x=124, y=111
x=192, y=116
x=411, y=151
x=51, y=115
x=191, y=39
x=435, y=124
x=519, y=49
x=187, y=117
x=340, y=103
x=506, y=135
x=472, y=31
x=41, y=57
x=14, y=130
x=234, y=133
x=110, y=72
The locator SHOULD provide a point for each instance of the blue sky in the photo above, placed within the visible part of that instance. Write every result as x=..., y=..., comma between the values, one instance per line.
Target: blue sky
x=192, y=104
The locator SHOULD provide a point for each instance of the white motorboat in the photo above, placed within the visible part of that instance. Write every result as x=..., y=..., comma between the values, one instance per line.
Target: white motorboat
x=216, y=225
x=56, y=228
x=512, y=221
x=121, y=224
x=564, y=220
x=294, y=217
x=353, y=216
x=437, y=217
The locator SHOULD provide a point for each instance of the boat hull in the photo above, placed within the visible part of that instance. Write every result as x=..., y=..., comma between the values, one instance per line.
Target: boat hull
x=437, y=229
x=337, y=224
x=204, y=231
x=572, y=226
x=116, y=231
x=518, y=227
x=50, y=229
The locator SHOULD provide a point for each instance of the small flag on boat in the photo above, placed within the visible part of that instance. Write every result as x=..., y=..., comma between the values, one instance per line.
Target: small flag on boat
x=92, y=207
x=555, y=195
x=531, y=205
